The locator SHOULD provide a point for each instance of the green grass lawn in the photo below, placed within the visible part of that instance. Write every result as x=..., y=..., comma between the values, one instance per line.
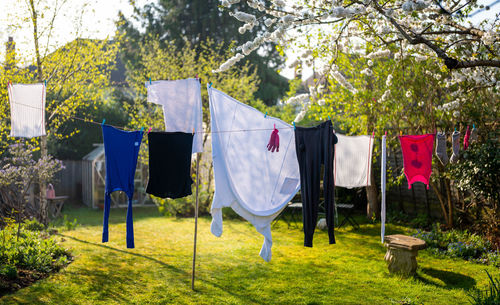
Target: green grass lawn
x=230, y=271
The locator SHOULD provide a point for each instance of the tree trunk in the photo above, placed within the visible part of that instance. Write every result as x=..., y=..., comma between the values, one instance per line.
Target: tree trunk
x=372, y=208
x=43, y=141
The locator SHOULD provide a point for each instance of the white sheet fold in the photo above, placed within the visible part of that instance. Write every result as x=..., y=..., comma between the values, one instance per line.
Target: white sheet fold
x=255, y=183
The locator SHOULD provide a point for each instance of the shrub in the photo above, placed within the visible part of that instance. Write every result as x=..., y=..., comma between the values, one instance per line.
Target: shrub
x=30, y=250
x=33, y=225
x=462, y=244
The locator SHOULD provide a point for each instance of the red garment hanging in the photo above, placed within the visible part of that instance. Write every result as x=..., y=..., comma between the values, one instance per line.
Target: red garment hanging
x=417, y=157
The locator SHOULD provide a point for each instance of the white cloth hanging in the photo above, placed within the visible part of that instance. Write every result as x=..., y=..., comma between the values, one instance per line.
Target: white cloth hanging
x=182, y=109
x=353, y=155
x=383, y=173
x=256, y=183
x=27, y=110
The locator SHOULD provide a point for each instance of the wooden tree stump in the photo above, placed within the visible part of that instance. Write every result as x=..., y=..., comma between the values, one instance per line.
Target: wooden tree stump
x=401, y=253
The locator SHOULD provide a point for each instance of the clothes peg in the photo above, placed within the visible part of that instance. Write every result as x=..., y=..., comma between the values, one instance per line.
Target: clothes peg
x=455, y=129
x=473, y=126
x=103, y=121
x=45, y=82
x=149, y=129
x=329, y=119
x=142, y=129
x=294, y=128
x=400, y=133
x=150, y=80
x=265, y=115
x=386, y=133
x=210, y=85
x=193, y=131
x=373, y=134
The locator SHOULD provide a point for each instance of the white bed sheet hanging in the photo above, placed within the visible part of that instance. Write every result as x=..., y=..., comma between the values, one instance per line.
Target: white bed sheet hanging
x=256, y=183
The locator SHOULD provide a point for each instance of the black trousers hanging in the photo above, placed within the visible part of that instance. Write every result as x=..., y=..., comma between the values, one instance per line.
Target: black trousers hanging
x=315, y=147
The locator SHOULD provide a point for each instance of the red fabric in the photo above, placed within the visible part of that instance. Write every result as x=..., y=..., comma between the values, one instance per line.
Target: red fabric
x=466, y=138
x=51, y=193
x=417, y=157
x=274, y=141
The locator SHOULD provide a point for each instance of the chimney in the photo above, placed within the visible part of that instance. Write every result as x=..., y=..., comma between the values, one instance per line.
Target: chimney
x=10, y=53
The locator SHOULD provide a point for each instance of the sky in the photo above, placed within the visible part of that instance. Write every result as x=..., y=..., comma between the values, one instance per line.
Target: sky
x=98, y=22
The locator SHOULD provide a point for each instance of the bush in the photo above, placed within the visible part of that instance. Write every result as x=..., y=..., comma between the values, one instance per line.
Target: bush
x=33, y=225
x=490, y=296
x=462, y=244
x=476, y=176
x=30, y=250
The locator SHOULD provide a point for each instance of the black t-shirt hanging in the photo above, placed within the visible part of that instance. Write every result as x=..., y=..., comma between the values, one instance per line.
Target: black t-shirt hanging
x=170, y=164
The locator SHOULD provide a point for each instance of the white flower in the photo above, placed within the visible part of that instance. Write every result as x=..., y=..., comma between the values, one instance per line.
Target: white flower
x=244, y=17
x=321, y=102
x=268, y=22
x=229, y=63
x=343, y=82
x=379, y=54
x=301, y=98
x=369, y=63
x=367, y=72
x=280, y=3
x=408, y=94
x=419, y=57
x=488, y=38
x=385, y=96
x=388, y=81
x=227, y=3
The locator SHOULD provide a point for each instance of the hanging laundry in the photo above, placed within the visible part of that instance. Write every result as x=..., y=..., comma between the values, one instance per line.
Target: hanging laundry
x=315, y=147
x=274, y=141
x=466, y=138
x=353, y=161
x=441, y=148
x=383, y=173
x=455, y=141
x=27, y=110
x=170, y=164
x=257, y=185
x=417, y=157
x=121, y=149
x=182, y=110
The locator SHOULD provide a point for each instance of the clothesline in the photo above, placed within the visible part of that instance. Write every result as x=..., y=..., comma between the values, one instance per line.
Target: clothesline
x=126, y=129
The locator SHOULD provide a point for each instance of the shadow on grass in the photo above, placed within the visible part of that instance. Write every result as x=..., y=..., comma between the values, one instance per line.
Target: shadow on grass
x=181, y=272
x=451, y=280
x=170, y=267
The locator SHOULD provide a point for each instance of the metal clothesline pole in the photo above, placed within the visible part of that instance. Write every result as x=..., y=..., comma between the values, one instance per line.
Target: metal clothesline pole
x=198, y=157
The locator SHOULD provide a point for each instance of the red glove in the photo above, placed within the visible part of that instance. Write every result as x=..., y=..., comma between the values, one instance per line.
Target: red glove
x=274, y=141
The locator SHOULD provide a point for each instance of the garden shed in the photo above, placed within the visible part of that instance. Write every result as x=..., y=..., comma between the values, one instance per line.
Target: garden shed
x=93, y=182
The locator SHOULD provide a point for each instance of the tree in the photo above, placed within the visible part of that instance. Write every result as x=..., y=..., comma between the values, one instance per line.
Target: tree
x=407, y=95
x=433, y=29
x=335, y=36
x=75, y=73
x=193, y=22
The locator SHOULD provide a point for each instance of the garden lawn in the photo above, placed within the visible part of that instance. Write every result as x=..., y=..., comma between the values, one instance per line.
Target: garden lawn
x=230, y=271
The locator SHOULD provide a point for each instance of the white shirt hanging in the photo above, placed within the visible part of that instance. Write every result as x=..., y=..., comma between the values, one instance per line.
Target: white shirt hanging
x=256, y=183
x=27, y=110
x=353, y=161
x=182, y=109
